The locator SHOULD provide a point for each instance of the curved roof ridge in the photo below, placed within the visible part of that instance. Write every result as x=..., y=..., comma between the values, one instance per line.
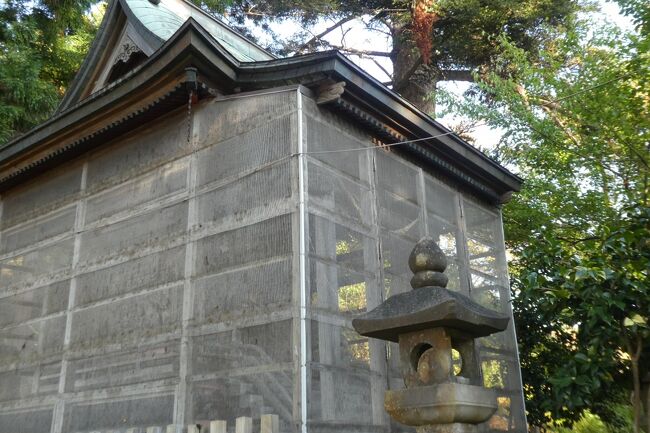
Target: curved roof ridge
x=164, y=18
x=155, y=22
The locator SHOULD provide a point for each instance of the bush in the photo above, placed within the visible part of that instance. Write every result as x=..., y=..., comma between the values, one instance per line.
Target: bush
x=587, y=423
x=619, y=420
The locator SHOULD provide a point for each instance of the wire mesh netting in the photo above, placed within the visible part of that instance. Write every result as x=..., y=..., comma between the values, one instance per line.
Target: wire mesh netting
x=367, y=209
x=157, y=281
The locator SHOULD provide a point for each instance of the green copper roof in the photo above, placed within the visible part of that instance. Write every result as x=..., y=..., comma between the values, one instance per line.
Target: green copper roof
x=164, y=18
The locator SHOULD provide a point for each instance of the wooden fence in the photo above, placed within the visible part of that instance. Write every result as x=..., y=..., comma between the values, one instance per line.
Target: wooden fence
x=268, y=424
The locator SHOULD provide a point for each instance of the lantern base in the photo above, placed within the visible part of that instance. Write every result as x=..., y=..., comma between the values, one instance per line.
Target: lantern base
x=448, y=428
x=442, y=404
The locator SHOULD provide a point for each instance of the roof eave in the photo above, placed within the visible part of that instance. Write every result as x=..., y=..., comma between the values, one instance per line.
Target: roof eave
x=394, y=109
x=191, y=45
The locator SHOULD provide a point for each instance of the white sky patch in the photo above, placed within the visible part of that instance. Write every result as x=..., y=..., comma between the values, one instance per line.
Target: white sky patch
x=610, y=13
x=353, y=34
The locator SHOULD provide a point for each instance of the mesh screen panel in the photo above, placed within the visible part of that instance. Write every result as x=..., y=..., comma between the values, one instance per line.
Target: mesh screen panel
x=366, y=210
x=157, y=280
x=151, y=282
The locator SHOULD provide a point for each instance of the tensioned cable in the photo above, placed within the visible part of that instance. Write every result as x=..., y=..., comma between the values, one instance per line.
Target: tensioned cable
x=571, y=95
x=383, y=146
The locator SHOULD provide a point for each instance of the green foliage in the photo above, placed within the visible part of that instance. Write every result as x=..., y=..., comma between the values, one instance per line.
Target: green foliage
x=577, y=127
x=639, y=11
x=620, y=418
x=444, y=38
x=597, y=297
x=587, y=423
x=464, y=36
x=25, y=99
x=42, y=45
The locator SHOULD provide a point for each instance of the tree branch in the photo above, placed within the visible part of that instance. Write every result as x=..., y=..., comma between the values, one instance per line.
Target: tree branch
x=250, y=13
x=344, y=33
x=405, y=79
x=388, y=74
x=358, y=52
x=456, y=75
x=562, y=125
x=376, y=15
x=322, y=34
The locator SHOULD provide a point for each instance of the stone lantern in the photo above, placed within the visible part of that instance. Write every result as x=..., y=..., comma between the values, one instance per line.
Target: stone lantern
x=436, y=329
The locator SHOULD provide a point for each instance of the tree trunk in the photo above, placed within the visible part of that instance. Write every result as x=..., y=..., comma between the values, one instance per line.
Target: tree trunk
x=637, y=395
x=409, y=79
x=647, y=408
x=635, y=354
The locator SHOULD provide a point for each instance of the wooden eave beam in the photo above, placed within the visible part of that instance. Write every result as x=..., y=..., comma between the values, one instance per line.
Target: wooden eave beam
x=138, y=90
x=193, y=46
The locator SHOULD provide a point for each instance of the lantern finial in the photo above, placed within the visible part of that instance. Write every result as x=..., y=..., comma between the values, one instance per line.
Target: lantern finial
x=428, y=262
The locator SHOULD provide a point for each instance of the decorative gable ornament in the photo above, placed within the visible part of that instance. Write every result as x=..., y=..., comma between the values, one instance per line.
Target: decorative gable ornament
x=127, y=49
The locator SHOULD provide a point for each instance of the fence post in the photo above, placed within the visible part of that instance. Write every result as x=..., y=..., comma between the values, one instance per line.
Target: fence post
x=218, y=426
x=270, y=424
x=244, y=424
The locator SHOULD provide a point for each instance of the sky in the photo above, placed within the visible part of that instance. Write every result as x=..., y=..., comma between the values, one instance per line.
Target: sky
x=355, y=35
